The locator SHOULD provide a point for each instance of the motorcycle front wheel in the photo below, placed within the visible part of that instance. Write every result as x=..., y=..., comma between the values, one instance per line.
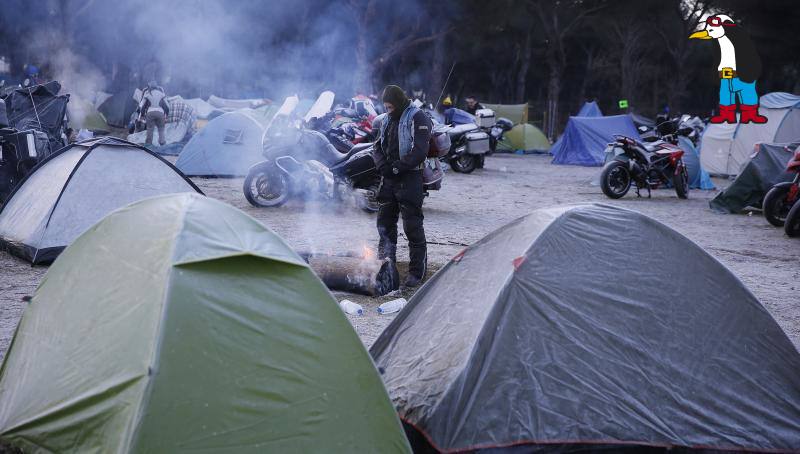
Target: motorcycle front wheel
x=266, y=186
x=615, y=180
x=792, y=224
x=465, y=163
x=681, y=182
x=776, y=207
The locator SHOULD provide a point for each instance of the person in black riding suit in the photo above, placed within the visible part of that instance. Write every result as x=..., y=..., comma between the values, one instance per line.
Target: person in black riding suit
x=399, y=155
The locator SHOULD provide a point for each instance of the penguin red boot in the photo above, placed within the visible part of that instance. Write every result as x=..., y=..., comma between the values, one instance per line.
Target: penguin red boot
x=750, y=113
x=727, y=114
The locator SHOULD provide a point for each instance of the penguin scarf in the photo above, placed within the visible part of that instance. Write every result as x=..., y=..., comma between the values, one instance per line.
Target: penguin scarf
x=739, y=67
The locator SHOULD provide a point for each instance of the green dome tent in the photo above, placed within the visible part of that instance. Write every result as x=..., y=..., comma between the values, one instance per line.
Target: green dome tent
x=526, y=137
x=180, y=324
x=517, y=113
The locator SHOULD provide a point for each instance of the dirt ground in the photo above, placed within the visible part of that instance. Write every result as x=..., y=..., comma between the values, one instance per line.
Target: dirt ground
x=470, y=206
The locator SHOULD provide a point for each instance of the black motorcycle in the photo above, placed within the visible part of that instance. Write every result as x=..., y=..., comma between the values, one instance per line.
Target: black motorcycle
x=646, y=165
x=303, y=163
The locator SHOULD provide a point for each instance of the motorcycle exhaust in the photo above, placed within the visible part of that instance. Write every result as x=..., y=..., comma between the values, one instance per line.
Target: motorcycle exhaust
x=353, y=273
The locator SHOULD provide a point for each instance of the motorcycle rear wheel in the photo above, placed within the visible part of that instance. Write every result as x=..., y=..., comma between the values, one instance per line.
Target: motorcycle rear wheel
x=615, y=180
x=465, y=163
x=681, y=182
x=265, y=186
x=792, y=224
x=775, y=206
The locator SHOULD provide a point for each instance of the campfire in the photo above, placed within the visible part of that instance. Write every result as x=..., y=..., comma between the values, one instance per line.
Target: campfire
x=356, y=272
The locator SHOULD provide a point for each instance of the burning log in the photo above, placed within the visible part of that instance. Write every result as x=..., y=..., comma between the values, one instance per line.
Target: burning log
x=354, y=273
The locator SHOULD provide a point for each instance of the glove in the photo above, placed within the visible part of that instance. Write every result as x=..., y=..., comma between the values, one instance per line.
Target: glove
x=386, y=171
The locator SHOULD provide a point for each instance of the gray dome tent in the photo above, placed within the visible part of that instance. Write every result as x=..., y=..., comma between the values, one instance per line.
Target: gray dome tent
x=227, y=146
x=76, y=187
x=551, y=333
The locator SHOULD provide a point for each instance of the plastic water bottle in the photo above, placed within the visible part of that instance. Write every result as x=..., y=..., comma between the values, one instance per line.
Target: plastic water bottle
x=351, y=308
x=392, y=306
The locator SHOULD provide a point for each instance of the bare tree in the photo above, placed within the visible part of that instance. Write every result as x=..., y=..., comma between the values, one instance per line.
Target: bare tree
x=370, y=62
x=676, y=40
x=524, y=63
x=632, y=52
x=558, y=19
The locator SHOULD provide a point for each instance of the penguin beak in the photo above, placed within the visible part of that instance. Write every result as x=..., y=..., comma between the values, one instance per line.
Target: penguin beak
x=702, y=34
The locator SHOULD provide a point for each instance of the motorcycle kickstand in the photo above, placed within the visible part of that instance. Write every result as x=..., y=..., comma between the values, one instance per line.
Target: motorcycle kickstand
x=649, y=194
x=638, y=194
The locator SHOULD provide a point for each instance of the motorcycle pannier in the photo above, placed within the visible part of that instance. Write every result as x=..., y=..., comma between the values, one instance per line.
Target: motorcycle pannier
x=432, y=175
x=440, y=144
x=477, y=143
x=485, y=118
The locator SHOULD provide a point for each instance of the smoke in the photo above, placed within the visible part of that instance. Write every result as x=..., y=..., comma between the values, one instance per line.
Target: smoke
x=195, y=48
x=81, y=80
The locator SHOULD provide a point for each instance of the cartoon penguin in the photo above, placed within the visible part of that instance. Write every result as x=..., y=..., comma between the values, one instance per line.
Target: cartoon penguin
x=739, y=67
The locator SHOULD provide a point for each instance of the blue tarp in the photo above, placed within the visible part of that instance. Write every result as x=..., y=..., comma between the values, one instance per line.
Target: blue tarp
x=590, y=109
x=698, y=178
x=454, y=116
x=585, y=139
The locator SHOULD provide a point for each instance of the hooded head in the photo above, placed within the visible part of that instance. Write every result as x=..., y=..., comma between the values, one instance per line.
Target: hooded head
x=395, y=100
x=714, y=27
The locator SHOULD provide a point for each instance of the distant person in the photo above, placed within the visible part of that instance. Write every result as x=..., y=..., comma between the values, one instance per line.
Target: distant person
x=155, y=110
x=32, y=76
x=399, y=155
x=473, y=105
x=447, y=103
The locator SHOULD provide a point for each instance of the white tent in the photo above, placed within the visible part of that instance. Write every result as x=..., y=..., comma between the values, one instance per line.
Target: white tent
x=726, y=148
x=76, y=187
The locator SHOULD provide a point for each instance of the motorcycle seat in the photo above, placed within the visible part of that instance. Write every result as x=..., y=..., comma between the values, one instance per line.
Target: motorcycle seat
x=461, y=129
x=356, y=148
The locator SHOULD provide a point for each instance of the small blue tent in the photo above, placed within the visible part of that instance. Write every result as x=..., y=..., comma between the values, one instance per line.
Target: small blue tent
x=585, y=139
x=590, y=109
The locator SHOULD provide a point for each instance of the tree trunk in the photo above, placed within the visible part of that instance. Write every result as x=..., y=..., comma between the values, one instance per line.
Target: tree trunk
x=553, y=94
x=363, y=77
x=587, y=77
x=439, y=66
x=525, y=63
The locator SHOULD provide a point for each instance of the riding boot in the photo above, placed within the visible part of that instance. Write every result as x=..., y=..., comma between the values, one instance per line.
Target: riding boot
x=727, y=114
x=417, y=265
x=750, y=113
x=387, y=250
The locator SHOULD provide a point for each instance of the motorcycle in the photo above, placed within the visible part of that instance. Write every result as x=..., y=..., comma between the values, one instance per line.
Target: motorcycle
x=302, y=162
x=472, y=142
x=646, y=165
x=781, y=200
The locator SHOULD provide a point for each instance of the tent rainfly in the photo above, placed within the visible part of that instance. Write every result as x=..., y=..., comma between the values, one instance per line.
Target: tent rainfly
x=76, y=187
x=532, y=339
x=725, y=148
x=590, y=109
x=228, y=146
x=764, y=170
x=179, y=324
x=585, y=138
x=517, y=113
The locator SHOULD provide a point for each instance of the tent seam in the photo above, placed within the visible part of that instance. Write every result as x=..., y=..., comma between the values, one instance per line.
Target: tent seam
x=133, y=439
